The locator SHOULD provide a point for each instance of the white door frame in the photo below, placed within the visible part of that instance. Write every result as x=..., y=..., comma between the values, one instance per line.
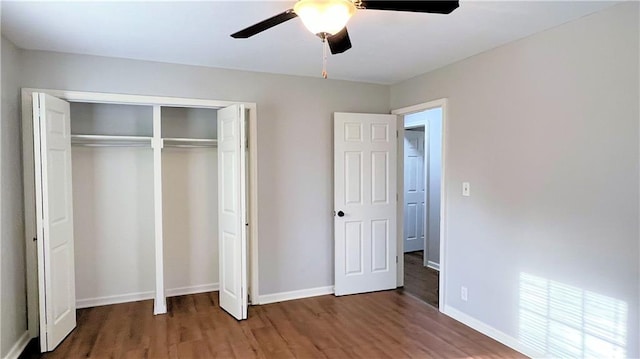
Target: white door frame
x=401, y=112
x=112, y=98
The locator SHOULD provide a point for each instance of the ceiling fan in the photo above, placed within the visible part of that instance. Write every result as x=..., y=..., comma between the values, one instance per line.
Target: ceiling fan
x=328, y=18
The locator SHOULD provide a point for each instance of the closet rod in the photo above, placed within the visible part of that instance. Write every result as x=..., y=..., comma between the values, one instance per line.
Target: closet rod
x=190, y=142
x=111, y=137
x=110, y=141
x=142, y=145
x=191, y=146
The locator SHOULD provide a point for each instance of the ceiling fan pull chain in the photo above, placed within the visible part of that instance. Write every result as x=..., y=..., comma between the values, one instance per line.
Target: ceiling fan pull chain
x=325, y=45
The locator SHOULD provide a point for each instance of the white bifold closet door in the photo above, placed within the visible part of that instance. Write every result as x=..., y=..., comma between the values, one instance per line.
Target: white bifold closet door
x=54, y=209
x=232, y=210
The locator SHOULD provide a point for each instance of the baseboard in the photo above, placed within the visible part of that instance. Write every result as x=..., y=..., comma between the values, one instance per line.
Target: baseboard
x=491, y=332
x=433, y=265
x=195, y=289
x=19, y=346
x=134, y=297
x=113, y=299
x=296, y=294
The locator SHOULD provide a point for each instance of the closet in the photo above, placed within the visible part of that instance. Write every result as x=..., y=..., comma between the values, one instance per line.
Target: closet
x=190, y=199
x=135, y=199
x=113, y=222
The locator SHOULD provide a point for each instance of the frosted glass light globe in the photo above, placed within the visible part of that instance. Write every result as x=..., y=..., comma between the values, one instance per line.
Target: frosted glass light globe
x=324, y=16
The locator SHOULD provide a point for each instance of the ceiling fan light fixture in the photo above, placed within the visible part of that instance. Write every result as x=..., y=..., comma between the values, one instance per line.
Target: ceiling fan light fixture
x=324, y=16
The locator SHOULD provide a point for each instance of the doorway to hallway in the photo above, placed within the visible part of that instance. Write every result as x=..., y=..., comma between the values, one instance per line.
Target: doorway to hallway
x=421, y=211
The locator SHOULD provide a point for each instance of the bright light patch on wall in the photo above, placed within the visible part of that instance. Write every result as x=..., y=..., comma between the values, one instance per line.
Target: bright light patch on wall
x=560, y=320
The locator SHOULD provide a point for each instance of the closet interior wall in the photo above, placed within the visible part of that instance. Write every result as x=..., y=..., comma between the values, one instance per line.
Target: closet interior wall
x=113, y=204
x=190, y=199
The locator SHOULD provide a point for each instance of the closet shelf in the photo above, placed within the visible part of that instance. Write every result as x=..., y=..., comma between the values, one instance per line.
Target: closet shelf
x=110, y=141
x=189, y=142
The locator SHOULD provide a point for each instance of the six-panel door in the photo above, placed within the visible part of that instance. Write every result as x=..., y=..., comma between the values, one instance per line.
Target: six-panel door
x=365, y=192
x=54, y=206
x=414, y=190
x=232, y=216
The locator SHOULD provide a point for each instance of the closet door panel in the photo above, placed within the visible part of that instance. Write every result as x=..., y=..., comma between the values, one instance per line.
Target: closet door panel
x=54, y=207
x=232, y=210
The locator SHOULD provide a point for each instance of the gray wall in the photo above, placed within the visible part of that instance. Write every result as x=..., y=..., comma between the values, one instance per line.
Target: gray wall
x=12, y=280
x=546, y=131
x=295, y=183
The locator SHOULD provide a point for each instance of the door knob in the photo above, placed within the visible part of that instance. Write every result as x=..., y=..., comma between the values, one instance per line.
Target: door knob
x=340, y=214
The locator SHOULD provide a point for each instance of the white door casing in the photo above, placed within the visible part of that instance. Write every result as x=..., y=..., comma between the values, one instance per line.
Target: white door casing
x=365, y=200
x=54, y=208
x=442, y=238
x=232, y=209
x=414, y=191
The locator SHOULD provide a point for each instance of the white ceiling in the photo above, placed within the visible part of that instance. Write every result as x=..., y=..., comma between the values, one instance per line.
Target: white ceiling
x=388, y=47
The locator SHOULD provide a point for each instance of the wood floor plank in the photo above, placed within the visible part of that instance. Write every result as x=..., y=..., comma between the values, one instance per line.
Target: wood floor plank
x=194, y=349
x=272, y=343
x=388, y=324
x=218, y=343
x=242, y=340
x=335, y=353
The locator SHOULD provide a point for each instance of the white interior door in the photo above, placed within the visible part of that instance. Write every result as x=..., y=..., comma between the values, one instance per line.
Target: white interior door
x=232, y=209
x=414, y=191
x=54, y=207
x=365, y=202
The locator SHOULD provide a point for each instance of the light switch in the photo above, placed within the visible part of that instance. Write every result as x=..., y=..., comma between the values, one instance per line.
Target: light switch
x=466, y=189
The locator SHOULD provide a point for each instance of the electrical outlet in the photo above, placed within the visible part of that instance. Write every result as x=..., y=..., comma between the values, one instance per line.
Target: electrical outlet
x=463, y=293
x=466, y=189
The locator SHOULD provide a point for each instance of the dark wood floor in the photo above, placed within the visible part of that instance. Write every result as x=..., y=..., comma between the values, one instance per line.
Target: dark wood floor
x=377, y=325
x=419, y=280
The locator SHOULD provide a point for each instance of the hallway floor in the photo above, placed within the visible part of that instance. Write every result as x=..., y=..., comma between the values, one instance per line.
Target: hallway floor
x=420, y=281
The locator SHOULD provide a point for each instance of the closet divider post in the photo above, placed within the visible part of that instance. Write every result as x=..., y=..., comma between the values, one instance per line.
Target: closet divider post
x=160, y=301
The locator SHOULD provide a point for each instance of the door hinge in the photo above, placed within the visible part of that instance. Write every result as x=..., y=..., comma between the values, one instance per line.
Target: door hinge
x=397, y=135
x=35, y=239
x=396, y=259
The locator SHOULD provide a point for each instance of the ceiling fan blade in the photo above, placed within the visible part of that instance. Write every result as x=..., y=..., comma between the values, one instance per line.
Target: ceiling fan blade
x=264, y=25
x=436, y=7
x=340, y=42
